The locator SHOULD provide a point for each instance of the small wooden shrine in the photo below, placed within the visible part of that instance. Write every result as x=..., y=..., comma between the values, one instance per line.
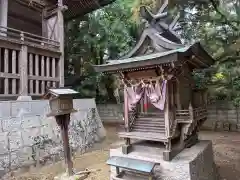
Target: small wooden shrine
x=159, y=103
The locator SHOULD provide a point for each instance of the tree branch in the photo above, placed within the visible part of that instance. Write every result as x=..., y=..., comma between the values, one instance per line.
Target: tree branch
x=215, y=6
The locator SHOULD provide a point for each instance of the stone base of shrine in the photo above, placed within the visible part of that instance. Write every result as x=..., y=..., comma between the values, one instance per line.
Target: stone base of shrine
x=195, y=163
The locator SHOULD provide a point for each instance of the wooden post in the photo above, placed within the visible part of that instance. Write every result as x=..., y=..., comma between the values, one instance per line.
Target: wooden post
x=63, y=122
x=191, y=115
x=31, y=73
x=3, y=15
x=48, y=66
x=126, y=120
x=14, y=66
x=178, y=94
x=6, y=80
x=61, y=41
x=23, y=64
x=166, y=113
x=37, y=72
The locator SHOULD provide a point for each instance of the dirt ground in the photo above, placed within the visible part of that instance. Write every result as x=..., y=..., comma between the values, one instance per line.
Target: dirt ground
x=226, y=149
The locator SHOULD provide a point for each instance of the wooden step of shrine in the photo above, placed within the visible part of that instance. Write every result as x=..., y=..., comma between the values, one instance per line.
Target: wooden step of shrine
x=139, y=121
x=157, y=125
x=134, y=129
x=151, y=119
x=151, y=136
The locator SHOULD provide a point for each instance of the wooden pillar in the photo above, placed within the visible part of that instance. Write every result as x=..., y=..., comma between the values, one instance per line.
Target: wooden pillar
x=166, y=112
x=37, y=72
x=31, y=72
x=48, y=70
x=48, y=66
x=42, y=74
x=6, y=80
x=3, y=14
x=14, y=66
x=126, y=110
x=63, y=122
x=61, y=40
x=191, y=114
x=178, y=94
x=23, y=65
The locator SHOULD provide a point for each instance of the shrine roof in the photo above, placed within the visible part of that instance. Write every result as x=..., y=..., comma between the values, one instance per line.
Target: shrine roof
x=201, y=60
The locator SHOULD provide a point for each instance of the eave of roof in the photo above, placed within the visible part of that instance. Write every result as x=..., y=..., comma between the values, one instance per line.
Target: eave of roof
x=82, y=7
x=156, y=59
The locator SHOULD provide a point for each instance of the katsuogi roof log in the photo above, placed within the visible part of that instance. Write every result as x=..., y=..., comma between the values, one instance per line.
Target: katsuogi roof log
x=194, y=55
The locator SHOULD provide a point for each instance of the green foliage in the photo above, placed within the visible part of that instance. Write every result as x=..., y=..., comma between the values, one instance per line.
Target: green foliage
x=216, y=24
x=110, y=32
x=104, y=34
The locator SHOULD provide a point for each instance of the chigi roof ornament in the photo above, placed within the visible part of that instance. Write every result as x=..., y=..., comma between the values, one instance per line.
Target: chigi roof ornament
x=158, y=22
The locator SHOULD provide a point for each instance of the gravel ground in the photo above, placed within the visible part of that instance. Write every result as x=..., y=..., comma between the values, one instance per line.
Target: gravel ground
x=226, y=150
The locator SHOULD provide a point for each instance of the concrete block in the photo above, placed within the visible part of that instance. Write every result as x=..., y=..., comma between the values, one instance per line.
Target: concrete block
x=5, y=109
x=30, y=121
x=38, y=106
x=195, y=163
x=20, y=107
x=15, y=140
x=11, y=124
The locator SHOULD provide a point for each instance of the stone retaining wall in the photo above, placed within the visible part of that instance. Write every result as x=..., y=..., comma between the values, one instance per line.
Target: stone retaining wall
x=28, y=137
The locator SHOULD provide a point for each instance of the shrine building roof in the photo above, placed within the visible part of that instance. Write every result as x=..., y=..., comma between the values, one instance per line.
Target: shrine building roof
x=194, y=55
x=159, y=45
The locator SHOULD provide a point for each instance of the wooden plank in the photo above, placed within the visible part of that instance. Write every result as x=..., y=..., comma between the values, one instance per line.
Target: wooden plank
x=43, y=78
x=6, y=60
x=53, y=67
x=31, y=86
x=161, y=137
x=30, y=65
x=9, y=75
x=42, y=66
x=48, y=66
x=6, y=85
x=36, y=72
x=42, y=87
x=37, y=86
x=166, y=112
x=126, y=109
x=14, y=71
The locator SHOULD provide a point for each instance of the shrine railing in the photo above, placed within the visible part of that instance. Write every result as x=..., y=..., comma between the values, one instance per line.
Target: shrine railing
x=18, y=36
x=182, y=116
x=199, y=113
x=26, y=71
x=186, y=116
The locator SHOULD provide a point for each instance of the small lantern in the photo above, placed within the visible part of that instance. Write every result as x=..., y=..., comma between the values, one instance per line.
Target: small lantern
x=60, y=101
x=61, y=105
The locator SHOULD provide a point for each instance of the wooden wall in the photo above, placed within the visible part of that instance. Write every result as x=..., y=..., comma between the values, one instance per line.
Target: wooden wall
x=24, y=18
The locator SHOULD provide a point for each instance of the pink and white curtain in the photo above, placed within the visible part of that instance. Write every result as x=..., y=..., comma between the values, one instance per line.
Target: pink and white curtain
x=156, y=94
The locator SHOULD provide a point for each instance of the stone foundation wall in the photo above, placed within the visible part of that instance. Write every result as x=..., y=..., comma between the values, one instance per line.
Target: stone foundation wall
x=28, y=137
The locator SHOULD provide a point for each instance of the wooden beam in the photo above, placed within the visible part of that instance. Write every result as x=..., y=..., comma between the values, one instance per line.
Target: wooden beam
x=60, y=37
